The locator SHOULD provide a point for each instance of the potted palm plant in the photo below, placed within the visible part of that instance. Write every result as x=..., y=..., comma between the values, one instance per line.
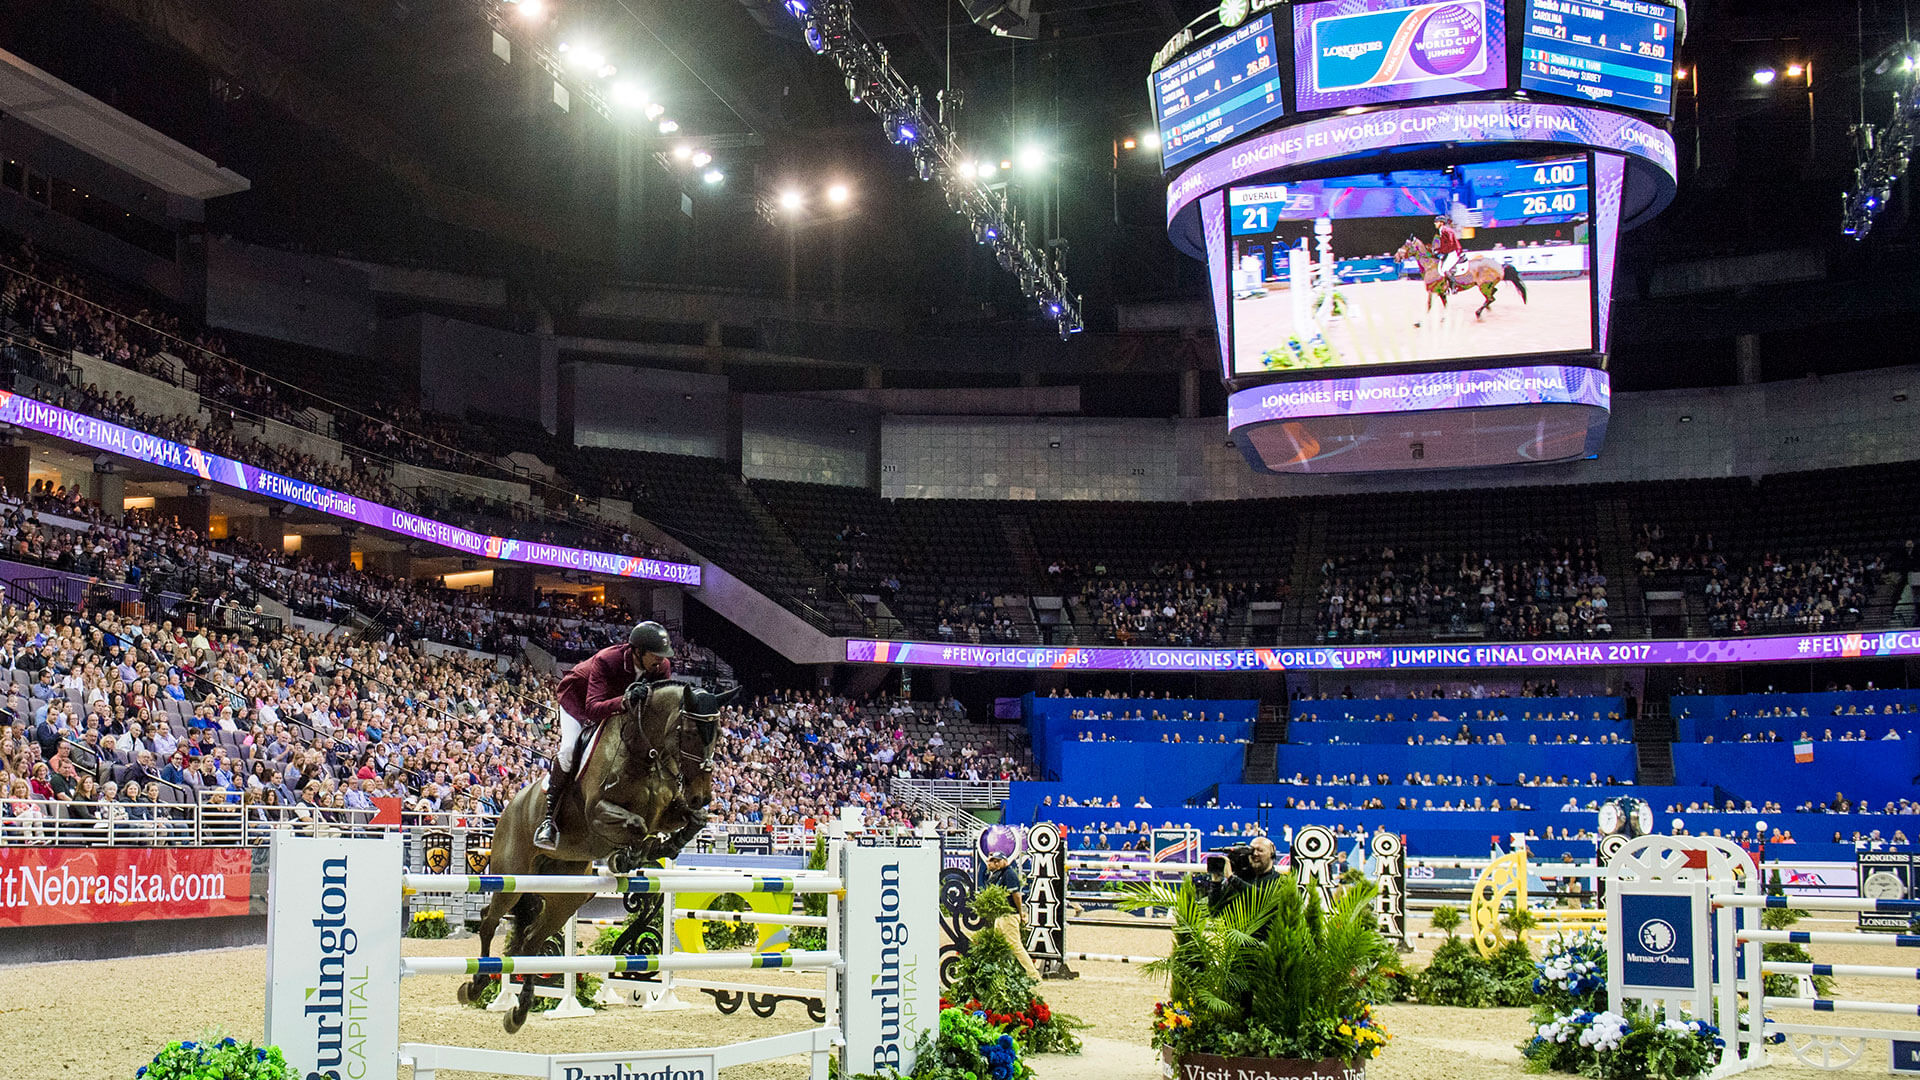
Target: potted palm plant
x=1271, y=986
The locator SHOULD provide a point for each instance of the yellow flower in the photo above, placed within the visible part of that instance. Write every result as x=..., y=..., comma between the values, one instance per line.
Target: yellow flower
x=1345, y=1030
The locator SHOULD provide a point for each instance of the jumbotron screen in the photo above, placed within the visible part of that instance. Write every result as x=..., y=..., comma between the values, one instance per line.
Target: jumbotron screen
x=1359, y=270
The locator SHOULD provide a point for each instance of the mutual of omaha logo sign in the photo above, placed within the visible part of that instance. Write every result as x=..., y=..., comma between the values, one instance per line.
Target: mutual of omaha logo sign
x=1658, y=941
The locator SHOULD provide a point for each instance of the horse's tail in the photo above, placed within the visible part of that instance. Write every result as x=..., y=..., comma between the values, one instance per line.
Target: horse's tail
x=1513, y=275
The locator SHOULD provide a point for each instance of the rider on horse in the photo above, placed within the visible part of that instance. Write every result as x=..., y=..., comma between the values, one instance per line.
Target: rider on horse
x=608, y=683
x=1446, y=245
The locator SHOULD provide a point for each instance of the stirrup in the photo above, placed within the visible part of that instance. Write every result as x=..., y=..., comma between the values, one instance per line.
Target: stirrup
x=546, y=837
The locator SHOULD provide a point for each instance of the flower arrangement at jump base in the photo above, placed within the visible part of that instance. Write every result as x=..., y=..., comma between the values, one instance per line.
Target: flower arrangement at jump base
x=969, y=1048
x=222, y=1059
x=1574, y=1032
x=1270, y=985
x=428, y=924
x=990, y=982
x=1633, y=1047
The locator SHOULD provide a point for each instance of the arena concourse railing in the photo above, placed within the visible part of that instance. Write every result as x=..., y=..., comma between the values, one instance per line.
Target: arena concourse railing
x=968, y=794
x=220, y=819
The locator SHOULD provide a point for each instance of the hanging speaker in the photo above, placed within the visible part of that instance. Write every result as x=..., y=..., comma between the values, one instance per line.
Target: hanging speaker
x=1008, y=18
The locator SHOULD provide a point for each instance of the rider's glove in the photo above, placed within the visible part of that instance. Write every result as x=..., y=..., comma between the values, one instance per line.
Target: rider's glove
x=636, y=693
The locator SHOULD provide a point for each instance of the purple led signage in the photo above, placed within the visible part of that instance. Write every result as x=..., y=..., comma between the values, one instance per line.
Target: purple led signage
x=1609, y=180
x=1385, y=658
x=1534, y=385
x=140, y=446
x=1213, y=221
x=1466, y=122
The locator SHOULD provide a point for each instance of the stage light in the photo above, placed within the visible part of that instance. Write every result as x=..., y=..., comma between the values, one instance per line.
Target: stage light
x=627, y=95
x=531, y=9
x=1765, y=76
x=1150, y=140
x=967, y=170
x=797, y=8
x=1033, y=158
x=1794, y=71
x=655, y=110
x=1128, y=144
x=791, y=201
x=902, y=130
x=683, y=152
x=986, y=170
x=702, y=159
x=714, y=177
x=1005, y=165
x=668, y=127
x=838, y=194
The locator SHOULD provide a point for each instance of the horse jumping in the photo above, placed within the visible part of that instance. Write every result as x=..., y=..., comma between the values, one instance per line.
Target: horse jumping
x=641, y=796
x=1476, y=273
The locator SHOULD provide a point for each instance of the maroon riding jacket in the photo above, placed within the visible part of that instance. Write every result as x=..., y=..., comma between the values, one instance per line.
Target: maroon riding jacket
x=596, y=687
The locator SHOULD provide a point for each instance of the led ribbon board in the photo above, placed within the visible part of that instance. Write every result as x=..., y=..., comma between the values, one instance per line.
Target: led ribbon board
x=99, y=434
x=1793, y=648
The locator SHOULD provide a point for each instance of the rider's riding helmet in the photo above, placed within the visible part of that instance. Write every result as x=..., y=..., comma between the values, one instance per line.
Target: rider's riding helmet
x=651, y=637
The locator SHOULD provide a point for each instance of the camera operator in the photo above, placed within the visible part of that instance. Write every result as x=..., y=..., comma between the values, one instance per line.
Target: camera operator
x=1257, y=869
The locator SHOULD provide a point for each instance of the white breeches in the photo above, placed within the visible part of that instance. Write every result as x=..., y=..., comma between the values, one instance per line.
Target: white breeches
x=570, y=729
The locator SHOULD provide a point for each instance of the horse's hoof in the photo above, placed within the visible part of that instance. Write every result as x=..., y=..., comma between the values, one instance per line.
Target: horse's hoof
x=464, y=995
x=515, y=1020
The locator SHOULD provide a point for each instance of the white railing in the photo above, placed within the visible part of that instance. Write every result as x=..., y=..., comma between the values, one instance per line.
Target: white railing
x=215, y=822
x=971, y=794
x=220, y=821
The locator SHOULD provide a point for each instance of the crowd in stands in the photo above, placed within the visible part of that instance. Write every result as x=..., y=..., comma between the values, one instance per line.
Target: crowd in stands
x=52, y=303
x=1478, y=691
x=793, y=756
x=1178, y=608
x=1175, y=737
x=1558, y=594
x=54, y=308
x=125, y=723
x=1771, y=593
x=1143, y=714
x=1826, y=735
x=975, y=619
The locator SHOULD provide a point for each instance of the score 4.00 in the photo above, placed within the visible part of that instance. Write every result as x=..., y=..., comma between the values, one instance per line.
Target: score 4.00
x=1567, y=172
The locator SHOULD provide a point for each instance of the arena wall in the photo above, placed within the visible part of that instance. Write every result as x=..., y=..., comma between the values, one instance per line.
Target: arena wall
x=1753, y=430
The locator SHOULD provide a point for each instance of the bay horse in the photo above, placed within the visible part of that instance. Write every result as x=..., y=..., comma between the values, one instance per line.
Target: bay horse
x=641, y=795
x=1474, y=273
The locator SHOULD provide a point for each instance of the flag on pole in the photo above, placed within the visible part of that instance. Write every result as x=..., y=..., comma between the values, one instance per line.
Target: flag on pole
x=1803, y=751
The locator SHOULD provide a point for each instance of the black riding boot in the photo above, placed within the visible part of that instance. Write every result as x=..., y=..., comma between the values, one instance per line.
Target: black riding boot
x=547, y=836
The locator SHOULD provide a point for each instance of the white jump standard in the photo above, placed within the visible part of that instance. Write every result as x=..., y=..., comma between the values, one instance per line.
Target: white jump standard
x=1678, y=936
x=334, y=963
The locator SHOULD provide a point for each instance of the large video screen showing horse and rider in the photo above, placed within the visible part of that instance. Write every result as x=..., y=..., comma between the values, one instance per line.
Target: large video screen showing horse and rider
x=1482, y=260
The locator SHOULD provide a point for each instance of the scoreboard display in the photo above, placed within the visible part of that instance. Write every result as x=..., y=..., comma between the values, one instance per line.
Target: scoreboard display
x=1343, y=271
x=1219, y=92
x=1610, y=52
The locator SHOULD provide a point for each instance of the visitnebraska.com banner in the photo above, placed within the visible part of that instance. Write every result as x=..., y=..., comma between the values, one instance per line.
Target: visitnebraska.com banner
x=51, y=886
